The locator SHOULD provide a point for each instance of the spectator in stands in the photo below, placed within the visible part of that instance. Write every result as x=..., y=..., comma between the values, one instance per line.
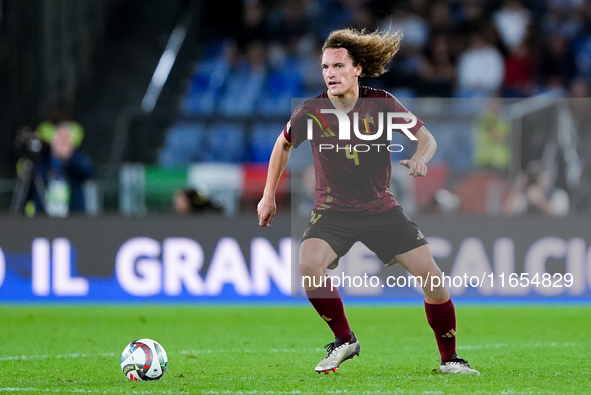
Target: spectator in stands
x=480, y=68
x=553, y=87
x=556, y=63
x=582, y=50
x=438, y=70
x=416, y=30
x=210, y=78
x=253, y=26
x=246, y=81
x=363, y=17
x=582, y=45
x=440, y=16
x=405, y=69
x=520, y=68
x=474, y=16
x=334, y=14
x=284, y=80
x=579, y=89
x=563, y=16
x=307, y=49
x=512, y=22
x=189, y=201
x=63, y=169
x=421, y=8
x=491, y=138
x=292, y=20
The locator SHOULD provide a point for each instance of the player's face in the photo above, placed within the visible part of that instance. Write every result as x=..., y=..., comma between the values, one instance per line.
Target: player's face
x=340, y=76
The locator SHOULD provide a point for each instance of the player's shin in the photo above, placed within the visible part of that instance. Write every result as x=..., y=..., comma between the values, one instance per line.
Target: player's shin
x=329, y=305
x=442, y=319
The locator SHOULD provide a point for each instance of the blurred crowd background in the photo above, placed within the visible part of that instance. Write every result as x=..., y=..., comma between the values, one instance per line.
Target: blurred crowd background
x=502, y=85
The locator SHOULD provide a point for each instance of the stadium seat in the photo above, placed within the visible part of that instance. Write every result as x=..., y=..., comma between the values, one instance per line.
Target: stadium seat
x=242, y=91
x=263, y=137
x=184, y=144
x=280, y=87
x=225, y=143
x=205, y=86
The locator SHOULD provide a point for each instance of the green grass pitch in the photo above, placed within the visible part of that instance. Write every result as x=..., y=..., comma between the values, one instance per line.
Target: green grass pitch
x=274, y=349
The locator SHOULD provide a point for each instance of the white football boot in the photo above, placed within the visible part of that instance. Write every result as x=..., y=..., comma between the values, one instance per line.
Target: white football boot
x=338, y=352
x=457, y=366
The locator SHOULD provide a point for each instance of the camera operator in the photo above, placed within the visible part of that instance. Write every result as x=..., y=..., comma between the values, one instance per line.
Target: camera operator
x=63, y=168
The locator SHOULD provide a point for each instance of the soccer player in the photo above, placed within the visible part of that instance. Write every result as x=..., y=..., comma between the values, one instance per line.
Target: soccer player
x=353, y=201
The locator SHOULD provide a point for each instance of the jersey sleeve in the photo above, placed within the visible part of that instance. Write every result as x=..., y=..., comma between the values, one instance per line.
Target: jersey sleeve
x=293, y=131
x=396, y=106
x=287, y=131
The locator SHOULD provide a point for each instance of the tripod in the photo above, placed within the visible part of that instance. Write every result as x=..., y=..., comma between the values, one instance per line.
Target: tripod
x=26, y=180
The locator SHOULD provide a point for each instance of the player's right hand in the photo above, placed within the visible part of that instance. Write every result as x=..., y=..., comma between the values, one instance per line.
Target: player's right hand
x=417, y=167
x=266, y=210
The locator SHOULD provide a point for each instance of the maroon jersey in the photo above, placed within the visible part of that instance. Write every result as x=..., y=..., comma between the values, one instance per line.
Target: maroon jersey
x=353, y=175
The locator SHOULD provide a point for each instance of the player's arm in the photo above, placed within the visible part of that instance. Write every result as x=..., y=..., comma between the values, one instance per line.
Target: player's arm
x=426, y=147
x=279, y=157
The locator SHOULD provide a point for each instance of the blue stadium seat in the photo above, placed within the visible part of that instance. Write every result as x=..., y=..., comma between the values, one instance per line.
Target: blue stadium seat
x=242, y=91
x=184, y=144
x=263, y=137
x=206, y=86
x=225, y=143
x=280, y=87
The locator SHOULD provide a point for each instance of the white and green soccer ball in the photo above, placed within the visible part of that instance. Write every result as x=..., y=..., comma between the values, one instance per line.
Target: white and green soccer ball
x=143, y=360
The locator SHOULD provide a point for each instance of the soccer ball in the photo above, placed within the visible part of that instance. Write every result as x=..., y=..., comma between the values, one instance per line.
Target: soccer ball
x=144, y=360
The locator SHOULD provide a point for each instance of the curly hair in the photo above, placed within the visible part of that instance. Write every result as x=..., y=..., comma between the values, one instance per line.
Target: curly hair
x=372, y=50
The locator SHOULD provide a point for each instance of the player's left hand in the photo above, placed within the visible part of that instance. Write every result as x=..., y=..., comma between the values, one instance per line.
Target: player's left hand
x=417, y=168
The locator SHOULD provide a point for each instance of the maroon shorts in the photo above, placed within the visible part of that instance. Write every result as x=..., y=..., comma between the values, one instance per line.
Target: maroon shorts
x=387, y=234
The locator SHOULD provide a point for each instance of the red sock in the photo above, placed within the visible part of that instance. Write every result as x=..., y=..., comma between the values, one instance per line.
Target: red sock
x=442, y=319
x=329, y=305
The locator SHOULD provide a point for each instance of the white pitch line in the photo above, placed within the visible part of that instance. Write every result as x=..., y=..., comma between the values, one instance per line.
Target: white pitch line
x=257, y=392
x=249, y=351
x=503, y=345
x=62, y=390
x=58, y=356
x=229, y=392
x=182, y=352
x=272, y=351
x=13, y=389
x=215, y=392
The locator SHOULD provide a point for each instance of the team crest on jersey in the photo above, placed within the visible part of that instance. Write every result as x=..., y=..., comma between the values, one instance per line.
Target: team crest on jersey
x=368, y=125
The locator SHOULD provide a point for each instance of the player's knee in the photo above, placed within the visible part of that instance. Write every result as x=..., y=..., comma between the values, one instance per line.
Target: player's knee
x=435, y=288
x=310, y=268
x=436, y=295
x=312, y=264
